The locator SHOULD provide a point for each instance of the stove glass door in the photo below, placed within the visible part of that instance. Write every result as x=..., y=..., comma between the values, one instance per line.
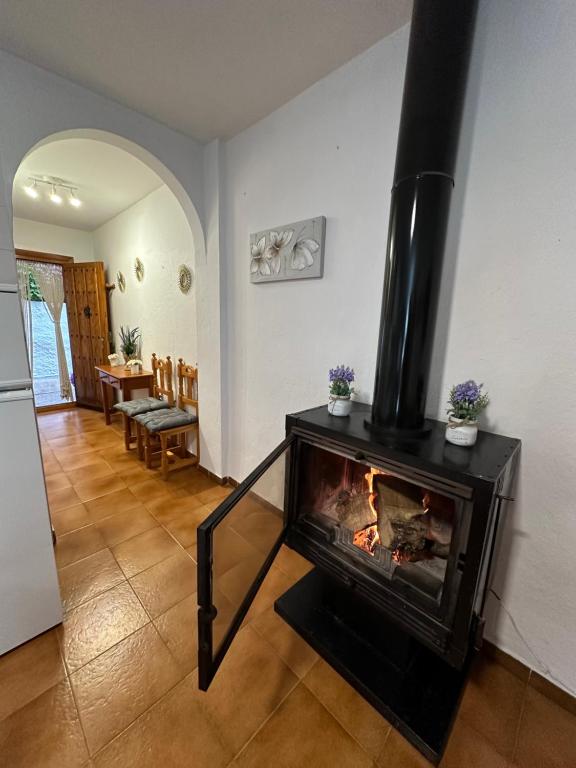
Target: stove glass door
x=236, y=547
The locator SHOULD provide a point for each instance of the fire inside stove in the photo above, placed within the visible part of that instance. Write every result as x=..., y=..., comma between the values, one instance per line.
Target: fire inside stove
x=397, y=524
x=414, y=523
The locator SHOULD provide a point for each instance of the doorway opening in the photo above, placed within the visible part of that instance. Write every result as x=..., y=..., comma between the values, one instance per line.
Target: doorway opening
x=44, y=310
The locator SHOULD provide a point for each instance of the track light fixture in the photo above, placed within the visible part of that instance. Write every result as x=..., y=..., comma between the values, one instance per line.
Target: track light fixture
x=31, y=189
x=55, y=184
x=55, y=197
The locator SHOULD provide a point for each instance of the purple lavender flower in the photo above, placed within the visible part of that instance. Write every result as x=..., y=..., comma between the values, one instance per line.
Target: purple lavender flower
x=468, y=392
x=341, y=378
x=467, y=400
x=341, y=373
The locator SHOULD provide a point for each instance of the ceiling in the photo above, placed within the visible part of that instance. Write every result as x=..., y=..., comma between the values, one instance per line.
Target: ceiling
x=108, y=179
x=208, y=68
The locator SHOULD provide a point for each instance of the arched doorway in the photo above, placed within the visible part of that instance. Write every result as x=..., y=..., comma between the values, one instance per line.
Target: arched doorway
x=208, y=355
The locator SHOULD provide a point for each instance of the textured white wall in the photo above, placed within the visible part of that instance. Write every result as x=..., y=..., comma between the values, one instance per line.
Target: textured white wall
x=328, y=152
x=512, y=311
x=49, y=238
x=507, y=315
x=156, y=231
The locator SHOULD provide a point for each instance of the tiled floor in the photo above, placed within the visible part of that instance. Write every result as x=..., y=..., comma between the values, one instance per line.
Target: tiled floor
x=116, y=684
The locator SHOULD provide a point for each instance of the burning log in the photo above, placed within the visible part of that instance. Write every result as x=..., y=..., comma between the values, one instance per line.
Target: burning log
x=401, y=518
x=352, y=509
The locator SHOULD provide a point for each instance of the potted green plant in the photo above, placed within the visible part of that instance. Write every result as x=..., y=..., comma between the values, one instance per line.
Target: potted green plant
x=466, y=403
x=129, y=342
x=341, y=389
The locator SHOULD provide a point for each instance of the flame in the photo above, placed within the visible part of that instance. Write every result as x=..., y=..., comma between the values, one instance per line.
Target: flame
x=367, y=538
x=369, y=477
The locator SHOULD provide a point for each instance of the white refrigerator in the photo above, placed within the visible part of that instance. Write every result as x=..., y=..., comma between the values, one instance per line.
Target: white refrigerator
x=29, y=594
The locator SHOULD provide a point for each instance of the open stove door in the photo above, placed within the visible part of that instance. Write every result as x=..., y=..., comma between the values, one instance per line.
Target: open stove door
x=237, y=545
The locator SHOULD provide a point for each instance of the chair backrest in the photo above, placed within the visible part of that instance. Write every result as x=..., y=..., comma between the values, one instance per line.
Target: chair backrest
x=187, y=385
x=163, y=378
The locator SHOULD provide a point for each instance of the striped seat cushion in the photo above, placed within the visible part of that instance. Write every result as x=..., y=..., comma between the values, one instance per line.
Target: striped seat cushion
x=166, y=419
x=141, y=405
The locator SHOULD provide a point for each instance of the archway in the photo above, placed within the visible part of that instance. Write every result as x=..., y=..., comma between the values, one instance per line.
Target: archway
x=172, y=183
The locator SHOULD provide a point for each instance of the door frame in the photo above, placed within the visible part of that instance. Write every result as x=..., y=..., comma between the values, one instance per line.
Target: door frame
x=50, y=258
x=47, y=258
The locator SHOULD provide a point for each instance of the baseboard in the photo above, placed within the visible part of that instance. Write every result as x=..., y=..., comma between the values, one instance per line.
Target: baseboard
x=213, y=475
x=55, y=407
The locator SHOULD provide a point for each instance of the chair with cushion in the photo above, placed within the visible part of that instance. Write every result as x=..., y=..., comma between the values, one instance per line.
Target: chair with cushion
x=162, y=398
x=164, y=433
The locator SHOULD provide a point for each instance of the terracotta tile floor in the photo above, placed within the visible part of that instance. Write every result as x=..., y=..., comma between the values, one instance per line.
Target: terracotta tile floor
x=115, y=685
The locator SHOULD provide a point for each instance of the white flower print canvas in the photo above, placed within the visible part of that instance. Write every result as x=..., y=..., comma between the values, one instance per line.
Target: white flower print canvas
x=292, y=252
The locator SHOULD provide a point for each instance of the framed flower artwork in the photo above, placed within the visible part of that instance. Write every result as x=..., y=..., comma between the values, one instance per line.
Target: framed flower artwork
x=292, y=252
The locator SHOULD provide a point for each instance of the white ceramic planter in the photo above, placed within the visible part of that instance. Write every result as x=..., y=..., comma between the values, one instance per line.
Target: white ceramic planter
x=339, y=406
x=460, y=432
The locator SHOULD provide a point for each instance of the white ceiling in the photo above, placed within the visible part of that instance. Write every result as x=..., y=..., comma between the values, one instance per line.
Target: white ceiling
x=108, y=179
x=209, y=68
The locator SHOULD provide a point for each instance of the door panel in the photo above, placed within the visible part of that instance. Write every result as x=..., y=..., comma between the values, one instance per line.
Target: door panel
x=236, y=547
x=85, y=291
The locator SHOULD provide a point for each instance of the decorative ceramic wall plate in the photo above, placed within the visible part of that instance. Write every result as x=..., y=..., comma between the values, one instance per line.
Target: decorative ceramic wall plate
x=184, y=278
x=121, y=280
x=139, y=270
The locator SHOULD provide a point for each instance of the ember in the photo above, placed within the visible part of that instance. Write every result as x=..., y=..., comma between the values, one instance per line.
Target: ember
x=367, y=539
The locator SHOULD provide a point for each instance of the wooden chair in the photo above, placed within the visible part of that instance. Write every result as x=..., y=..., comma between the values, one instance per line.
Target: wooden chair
x=165, y=432
x=162, y=388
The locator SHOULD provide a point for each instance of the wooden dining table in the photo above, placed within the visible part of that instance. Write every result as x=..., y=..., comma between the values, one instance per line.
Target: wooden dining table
x=118, y=378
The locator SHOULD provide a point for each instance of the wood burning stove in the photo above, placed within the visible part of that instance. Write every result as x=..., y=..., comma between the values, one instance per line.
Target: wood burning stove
x=399, y=524
x=401, y=535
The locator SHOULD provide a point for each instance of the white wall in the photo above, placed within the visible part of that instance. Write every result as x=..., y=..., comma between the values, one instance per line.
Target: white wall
x=37, y=104
x=508, y=311
x=328, y=152
x=49, y=238
x=512, y=318
x=156, y=231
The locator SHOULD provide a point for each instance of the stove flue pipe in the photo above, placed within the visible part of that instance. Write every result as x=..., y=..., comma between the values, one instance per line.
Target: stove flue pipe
x=434, y=89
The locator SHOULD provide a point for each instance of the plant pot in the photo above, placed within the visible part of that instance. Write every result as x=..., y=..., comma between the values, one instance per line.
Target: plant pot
x=127, y=359
x=339, y=406
x=461, y=432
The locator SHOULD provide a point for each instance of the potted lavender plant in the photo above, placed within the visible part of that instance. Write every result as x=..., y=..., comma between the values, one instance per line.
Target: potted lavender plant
x=341, y=378
x=466, y=402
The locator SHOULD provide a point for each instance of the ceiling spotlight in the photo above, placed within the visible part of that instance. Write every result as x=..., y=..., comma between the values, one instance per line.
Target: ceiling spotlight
x=32, y=191
x=55, y=197
x=73, y=200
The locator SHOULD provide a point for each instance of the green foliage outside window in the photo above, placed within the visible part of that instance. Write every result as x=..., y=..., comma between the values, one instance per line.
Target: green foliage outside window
x=34, y=291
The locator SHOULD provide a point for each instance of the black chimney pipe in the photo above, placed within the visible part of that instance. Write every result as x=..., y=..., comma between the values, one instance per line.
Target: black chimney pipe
x=434, y=88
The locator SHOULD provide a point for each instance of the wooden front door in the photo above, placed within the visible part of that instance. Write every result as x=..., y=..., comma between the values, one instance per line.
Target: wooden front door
x=86, y=303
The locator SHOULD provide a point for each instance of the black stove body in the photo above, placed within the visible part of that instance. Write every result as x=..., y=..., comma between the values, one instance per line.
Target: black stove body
x=399, y=622
x=428, y=573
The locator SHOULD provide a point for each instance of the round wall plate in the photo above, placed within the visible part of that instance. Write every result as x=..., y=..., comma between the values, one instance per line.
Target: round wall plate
x=139, y=270
x=184, y=278
x=121, y=280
